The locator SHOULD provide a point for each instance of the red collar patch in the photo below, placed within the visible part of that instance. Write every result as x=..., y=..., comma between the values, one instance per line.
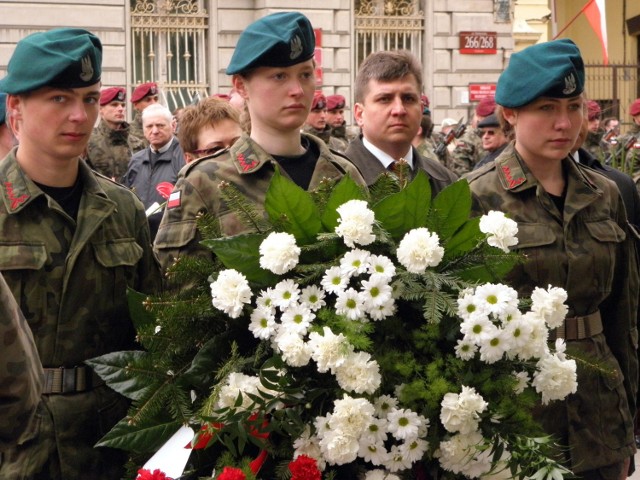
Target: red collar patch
x=15, y=201
x=244, y=164
x=512, y=182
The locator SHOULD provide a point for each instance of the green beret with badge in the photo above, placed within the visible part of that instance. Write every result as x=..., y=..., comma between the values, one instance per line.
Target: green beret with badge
x=277, y=40
x=551, y=69
x=63, y=57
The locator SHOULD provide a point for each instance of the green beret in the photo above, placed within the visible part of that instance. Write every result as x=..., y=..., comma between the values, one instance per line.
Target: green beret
x=64, y=57
x=277, y=40
x=3, y=108
x=552, y=69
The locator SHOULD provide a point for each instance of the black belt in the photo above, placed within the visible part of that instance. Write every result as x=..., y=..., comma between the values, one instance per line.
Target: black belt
x=578, y=328
x=70, y=380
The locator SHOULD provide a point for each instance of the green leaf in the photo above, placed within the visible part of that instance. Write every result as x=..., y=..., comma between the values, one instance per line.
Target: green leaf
x=241, y=253
x=112, y=368
x=287, y=201
x=140, y=316
x=465, y=239
x=407, y=209
x=490, y=271
x=346, y=189
x=207, y=360
x=451, y=208
x=141, y=438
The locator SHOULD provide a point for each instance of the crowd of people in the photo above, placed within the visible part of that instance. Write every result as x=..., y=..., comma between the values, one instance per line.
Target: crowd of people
x=83, y=216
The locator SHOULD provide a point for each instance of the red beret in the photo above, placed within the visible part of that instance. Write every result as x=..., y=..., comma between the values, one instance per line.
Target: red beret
x=593, y=110
x=221, y=96
x=319, y=101
x=112, y=94
x=634, y=109
x=425, y=101
x=144, y=90
x=486, y=106
x=335, y=102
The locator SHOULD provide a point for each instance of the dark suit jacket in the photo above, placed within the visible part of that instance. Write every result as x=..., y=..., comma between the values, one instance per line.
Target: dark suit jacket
x=371, y=168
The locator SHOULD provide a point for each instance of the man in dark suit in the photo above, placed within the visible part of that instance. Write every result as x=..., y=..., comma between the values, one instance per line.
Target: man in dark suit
x=388, y=111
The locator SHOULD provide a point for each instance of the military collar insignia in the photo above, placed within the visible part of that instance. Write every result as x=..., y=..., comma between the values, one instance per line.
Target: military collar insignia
x=512, y=178
x=246, y=165
x=296, y=47
x=570, y=84
x=86, y=73
x=15, y=201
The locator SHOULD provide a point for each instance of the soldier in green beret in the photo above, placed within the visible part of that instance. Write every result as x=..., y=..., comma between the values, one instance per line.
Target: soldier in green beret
x=574, y=234
x=273, y=70
x=111, y=144
x=72, y=241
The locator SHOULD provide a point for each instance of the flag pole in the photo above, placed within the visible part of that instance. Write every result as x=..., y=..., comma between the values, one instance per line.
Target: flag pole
x=573, y=19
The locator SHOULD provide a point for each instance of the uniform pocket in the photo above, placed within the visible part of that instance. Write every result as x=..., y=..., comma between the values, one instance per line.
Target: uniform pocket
x=537, y=242
x=118, y=258
x=175, y=234
x=608, y=236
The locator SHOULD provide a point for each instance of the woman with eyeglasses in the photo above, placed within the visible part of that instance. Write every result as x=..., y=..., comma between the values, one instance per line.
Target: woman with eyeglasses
x=573, y=234
x=274, y=71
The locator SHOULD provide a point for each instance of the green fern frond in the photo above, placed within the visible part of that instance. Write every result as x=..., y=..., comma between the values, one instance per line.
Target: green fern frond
x=243, y=208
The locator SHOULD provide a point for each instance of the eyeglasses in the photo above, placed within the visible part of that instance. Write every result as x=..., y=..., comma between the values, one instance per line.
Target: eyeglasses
x=205, y=152
x=491, y=133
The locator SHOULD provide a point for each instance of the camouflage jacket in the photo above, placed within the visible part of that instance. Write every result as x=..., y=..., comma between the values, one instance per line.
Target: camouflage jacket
x=136, y=130
x=20, y=371
x=71, y=279
x=589, y=251
x=327, y=137
x=468, y=152
x=246, y=166
x=338, y=140
x=596, y=146
x=631, y=139
x=109, y=150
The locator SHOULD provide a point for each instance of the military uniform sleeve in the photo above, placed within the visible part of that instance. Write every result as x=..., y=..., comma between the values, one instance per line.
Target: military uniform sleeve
x=20, y=370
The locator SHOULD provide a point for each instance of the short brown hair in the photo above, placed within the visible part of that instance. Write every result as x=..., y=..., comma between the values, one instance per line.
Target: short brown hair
x=386, y=66
x=209, y=111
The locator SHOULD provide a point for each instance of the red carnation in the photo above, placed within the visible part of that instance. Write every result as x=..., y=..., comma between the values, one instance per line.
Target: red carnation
x=230, y=473
x=144, y=474
x=164, y=189
x=304, y=468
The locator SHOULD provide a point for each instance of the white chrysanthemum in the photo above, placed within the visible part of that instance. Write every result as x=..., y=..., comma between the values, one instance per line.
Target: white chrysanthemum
x=266, y=300
x=502, y=232
x=461, y=412
x=328, y=350
x=293, y=349
x=380, y=475
x=555, y=378
x=230, y=292
x=354, y=262
x=385, y=404
x=517, y=334
x=338, y=448
x=377, y=430
x=414, y=449
x=323, y=425
x=286, y=293
x=381, y=265
x=238, y=383
x=351, y=416
x=498, y=299
x=372, y=450
x=419, y=249
x=279, y=252
x=309, y=445
x=465, y=350
x=383, y=311
x=297, y=318
x=376, y=292
x=263, y=323
x=523, y=382
x=478, y=329
x=536, y=346
x=403, y=423
x=550, y=305
x=359, y=373
x=334, y=281
x=397, y=460
x=493, y=348
x=355, y=224
x=350, y=304
x=468, y=306
x=313, y=297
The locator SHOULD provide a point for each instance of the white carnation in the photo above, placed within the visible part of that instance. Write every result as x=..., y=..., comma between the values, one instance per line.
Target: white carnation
x=461, y=412
x=292, y=347
x=501, y=231
x=355, y=224
x=359, y=373
x=555, y=378
x=230, y=292
x=279, y=252
x=419, y=249
x=339, y=448
x=351, y=416
x=238, y=383
x=328, y=350
x=550, y=305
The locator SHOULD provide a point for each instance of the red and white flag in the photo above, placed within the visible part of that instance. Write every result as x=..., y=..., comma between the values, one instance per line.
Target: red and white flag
x=595, y=13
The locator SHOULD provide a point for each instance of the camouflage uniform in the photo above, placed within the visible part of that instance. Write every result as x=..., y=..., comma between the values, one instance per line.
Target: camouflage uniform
x=596, y=146
x=631, y=155
x=136, y=130
x=20, y=371
x=339, y=140
x=71, y=279
x=467, y=152
x=245, y=165
x=589, y=251
x=110, y=150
